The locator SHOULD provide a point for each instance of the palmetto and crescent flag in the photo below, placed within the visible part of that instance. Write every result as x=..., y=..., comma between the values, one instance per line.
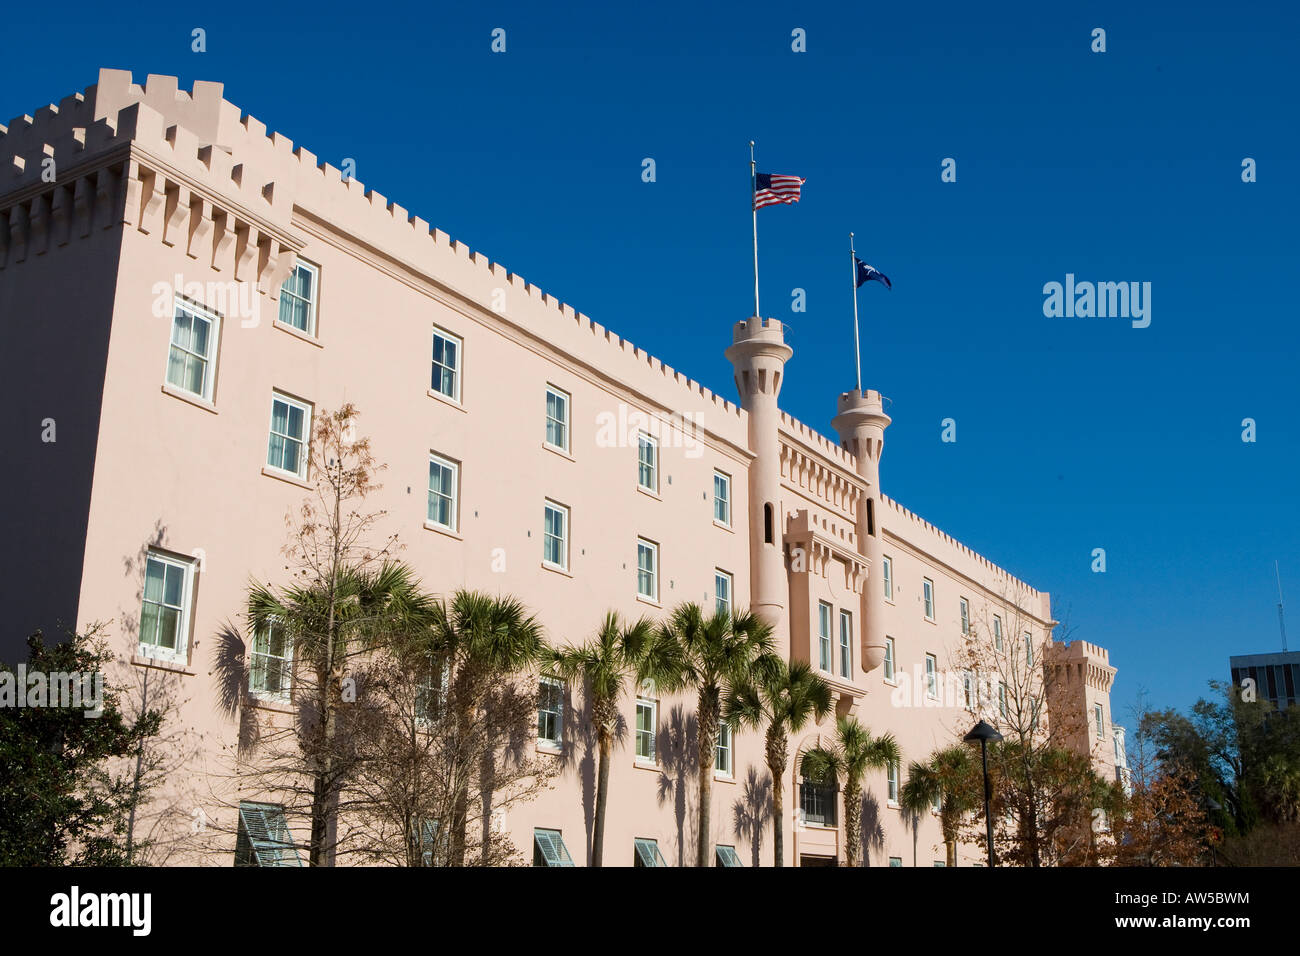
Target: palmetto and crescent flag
x=868, y=273
x=773, y=188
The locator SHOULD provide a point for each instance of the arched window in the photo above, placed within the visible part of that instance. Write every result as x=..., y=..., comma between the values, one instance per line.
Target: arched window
x=767, y=523
x=817, y=790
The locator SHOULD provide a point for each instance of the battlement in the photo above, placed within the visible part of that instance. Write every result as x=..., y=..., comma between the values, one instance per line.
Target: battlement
x=210, y=140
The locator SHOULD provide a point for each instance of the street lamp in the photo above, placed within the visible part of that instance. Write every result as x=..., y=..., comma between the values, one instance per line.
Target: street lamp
x=983, y=732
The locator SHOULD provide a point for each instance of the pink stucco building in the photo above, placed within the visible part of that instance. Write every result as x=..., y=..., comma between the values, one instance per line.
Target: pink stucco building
x=180, y=291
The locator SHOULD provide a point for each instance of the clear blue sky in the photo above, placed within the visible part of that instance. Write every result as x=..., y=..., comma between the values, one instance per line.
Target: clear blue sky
x=1073, y=434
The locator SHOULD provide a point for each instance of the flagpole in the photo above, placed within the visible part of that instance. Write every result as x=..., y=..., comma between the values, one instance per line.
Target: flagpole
x=853, y=274
x=753, y=187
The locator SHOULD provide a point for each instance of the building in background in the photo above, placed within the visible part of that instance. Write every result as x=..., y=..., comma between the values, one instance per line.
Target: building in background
x=1276, y=676
x=182, y=293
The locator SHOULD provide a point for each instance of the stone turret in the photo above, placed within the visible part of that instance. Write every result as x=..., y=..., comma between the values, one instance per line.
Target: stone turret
x=759, y=354
x=861, y=425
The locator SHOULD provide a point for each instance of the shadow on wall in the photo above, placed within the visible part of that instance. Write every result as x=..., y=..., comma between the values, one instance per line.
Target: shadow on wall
x=54, y=336
x=677, y=746
x=753, y=811
x=873, y=832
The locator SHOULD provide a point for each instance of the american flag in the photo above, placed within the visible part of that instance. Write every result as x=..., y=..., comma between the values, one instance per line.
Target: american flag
x=772, y=188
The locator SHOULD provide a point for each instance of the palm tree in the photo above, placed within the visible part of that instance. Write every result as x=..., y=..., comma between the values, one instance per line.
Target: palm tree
x=478, y=637
x=784, y=699
x=328, y=624
x=854, y=752
x=603, y=665
x=710, y=655
x=948, y=781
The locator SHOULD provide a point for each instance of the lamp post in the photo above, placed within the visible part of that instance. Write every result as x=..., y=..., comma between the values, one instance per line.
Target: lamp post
x=983, y=732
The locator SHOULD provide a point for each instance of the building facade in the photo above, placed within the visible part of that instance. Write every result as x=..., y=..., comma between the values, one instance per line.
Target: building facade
x=1275, y=677
x=181, y=292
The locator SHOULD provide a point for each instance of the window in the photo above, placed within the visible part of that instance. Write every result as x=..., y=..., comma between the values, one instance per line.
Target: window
x=997, y=633
x=1101, y=725
x=428, y=840
x=927, y=590
x=271, y=666
x=431, y=691
x=968, y=687
x=936, y=804
x=1118, y=759
x=647, y=569
x=557, y=418
x=549, y=849
x=889, y=659
x=895, y=861
x=444, y=492
x=824, y=635
x=647, y=853
x=727, y=856
x=1029, y=649
x=286, y=449
x=555, y=536
x=298, y=298
x=646, y=729
x=846, y=644
x=887, y=574
x=191, y=359
x=940, y=863
x=965, y=617
x=722, y=592
x=446, y=364
x=767, y=524
x=723, y=761
x=263, y=838
x=165, y=611
x=1002, y=699
x=891, y=781
x=722, y=498
x=931, y=677
x=550, y=710
x=647, y=462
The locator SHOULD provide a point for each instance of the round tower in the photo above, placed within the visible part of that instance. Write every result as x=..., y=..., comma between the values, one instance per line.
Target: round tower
x=861, y=425
x=759, y=353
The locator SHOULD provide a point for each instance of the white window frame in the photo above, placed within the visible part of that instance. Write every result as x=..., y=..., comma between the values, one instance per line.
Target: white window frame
x=154, y=651
x=728, y=582
x=455, y=370
x=1029, y=649
x=311, y=302
x=891, y=661
x=637, y=733
x=724, y=500
x=725, y=745
x=563, y=511
x=653, y=572
x=997, y=632
x=209, y=360
x=454, y=509
x=645, y=440
x=964, y=607
x=891, y=783
x=846, y=644
x=305, y=454
x=887, y=576
x=561, y=424
x=927, y=598
x=931, y=677
x=435, y=688
x=1002, y=699
x=557, y=685
x=285, y=660
x=825, y=657
x=1100, y=714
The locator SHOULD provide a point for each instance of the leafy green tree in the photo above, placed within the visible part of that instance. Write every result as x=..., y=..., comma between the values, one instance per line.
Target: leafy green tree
x=710, y=655
x=855, y=751
x=603, y=665
x=951, y=780
x=782, y=699
x=67, y=788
